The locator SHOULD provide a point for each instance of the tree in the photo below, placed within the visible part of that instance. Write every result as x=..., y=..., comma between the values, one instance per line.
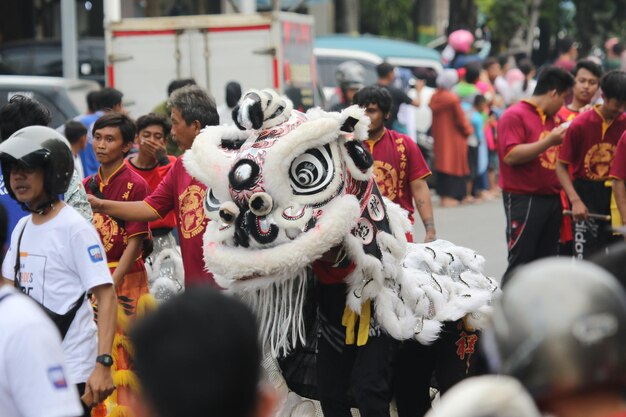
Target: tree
x=378, y=18
x=462, y=15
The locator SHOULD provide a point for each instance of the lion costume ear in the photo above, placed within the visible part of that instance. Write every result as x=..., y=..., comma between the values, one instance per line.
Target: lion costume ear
x=261, y=110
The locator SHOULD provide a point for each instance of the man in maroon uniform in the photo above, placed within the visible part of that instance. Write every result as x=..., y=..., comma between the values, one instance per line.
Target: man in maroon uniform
x=113, y=135
x=587, y=76
x=588, y=148
x=399, y=166
x=527, y=148
x=401, y=176
x=192, y=109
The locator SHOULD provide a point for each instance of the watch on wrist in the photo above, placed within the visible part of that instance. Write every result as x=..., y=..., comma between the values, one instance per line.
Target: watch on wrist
x=106, y=360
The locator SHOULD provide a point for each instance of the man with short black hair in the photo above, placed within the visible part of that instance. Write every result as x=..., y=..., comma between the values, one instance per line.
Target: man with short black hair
x=528, y=136
x=108, y=100
x=76, y=134
x=587, y=76
x=589, y=148
x=386, y=77
x=568, y=53
x=198, y=355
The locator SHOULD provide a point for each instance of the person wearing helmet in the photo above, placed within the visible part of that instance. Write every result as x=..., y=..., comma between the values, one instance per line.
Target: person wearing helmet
x=18, y=113
x=560, y=328
x=350, y=79
x=56, y=257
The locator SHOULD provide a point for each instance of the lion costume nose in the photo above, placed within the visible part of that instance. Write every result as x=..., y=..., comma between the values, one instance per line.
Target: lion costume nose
x=261, y=204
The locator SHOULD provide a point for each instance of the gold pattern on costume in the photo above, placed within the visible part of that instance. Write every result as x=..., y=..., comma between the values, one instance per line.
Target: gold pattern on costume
x=598, y=160
x=548, y=157
x=386, y=179
x=107, y=228
x=191, y=211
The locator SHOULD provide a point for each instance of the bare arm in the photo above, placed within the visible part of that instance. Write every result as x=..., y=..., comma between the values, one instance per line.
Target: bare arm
x=131, y=211
x=619, y=191
x=526, y=152
x=579, y=210
x=100, y=382
x=424, y=205
x=131, y=253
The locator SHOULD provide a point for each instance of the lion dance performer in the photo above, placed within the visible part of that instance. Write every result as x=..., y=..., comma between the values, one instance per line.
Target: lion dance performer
x=295, y=206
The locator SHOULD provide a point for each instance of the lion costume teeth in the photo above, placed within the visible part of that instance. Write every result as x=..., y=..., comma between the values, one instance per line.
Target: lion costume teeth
x=287, y=188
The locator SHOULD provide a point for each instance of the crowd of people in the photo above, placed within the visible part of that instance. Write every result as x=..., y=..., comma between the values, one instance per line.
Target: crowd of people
x=90, y=208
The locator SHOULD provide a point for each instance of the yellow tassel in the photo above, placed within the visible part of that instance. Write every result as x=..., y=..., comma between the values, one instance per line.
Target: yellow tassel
x=126, y=378
x=146, y=304
x=121, y=411
x=349, y=321
x=122, y=341
x=113, y=397
x=123, y=320
x=616, y=216
x=364, y=323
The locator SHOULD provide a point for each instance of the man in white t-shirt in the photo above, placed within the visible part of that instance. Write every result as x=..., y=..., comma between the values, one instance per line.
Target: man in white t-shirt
x=56, y=258
x=33, y=376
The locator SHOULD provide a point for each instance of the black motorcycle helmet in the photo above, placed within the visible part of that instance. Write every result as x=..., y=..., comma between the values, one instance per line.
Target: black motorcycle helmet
x=39, y=147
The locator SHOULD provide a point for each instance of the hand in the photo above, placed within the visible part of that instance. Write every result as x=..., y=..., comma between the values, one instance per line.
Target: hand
x=557, y=134
x=579, y=210
x=431, y=235
x=95, y=203
x=152, y=147
x=100, y=384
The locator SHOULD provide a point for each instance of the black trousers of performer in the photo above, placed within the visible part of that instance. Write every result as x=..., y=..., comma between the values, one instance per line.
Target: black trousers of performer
x=533, y=224
x=451, y=358
x=592, y=235
x=350, y=373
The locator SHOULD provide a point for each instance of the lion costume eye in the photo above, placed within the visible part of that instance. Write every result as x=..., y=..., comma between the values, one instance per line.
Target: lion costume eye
x=312, y=171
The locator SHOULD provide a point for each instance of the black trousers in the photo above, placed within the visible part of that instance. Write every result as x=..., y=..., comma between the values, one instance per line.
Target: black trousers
x=450, y=359
x=533, y=225
x=350, y=375
x=593, y=235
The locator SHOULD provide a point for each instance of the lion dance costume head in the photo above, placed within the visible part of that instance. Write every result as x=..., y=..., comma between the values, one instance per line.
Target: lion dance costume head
x=283, y=189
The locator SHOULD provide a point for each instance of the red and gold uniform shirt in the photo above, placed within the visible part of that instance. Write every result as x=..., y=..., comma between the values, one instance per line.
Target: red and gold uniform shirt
x=566, y=115
x=590, y=143
x=153, y=177
x=180, y=192
x=525, y=123
x=618, y=168
x=122, y=185
x=397, y=162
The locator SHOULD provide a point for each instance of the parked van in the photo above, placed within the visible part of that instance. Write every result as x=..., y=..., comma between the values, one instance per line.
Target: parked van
x=45, y=57
x=369, y=51
x=65, y=98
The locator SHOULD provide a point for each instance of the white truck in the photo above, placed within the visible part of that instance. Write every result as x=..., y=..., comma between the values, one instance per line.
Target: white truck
x=270, y=50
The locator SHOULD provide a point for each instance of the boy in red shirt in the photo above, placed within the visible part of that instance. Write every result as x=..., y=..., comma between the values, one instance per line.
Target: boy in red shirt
x=587, y=76
x=192, y=109
x=399, y=166
x=153, y=163
x=588, y=148
x=527, y=148
x=113, y=136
